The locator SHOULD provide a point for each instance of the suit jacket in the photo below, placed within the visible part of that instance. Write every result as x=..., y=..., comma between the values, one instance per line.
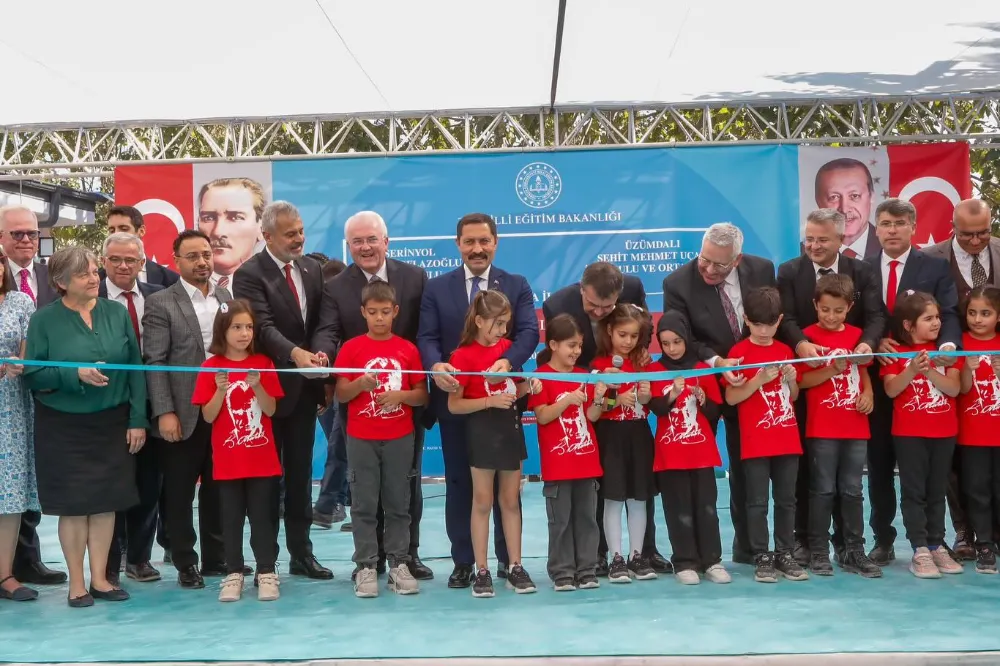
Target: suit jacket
x=685, y=290
x=46, y=294
x=933, y=276
x=280, y=328
x=344, y=293
x=944, y=250
x=797, y=284
x=145, y=288
x=171, y=335
x=155, y=274
x=442, y=318
x=568, y=300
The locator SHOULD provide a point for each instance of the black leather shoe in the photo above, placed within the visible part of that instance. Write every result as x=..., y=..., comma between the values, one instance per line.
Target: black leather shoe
x=419, y=570
x=114, y=594
x=310, y=568
x=802, y=555
x=346, y=527
x=881, y=555
x=86, y=601
x=659, y=563
x=502, y=570
x=743, y=558
x=190, y=578
x=143, y=573
x=39, y=574
x=461, y=577
x=20, y=593
x=212, y=570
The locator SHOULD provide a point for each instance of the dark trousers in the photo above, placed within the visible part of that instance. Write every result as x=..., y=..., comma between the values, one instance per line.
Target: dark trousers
x=295, y=435
x=161, y=523
x=254, y=499
x=835, y=470
x=458, y=497
x=957, y=500
x=981, y=483
x=737, y=486
x=803, y=485
x=573, y=534
x=182, y=464
x=779, y=472
x=135, y=529
x=334, y=489
x=924, y=465
x=380, y=475
x=648, y=539
x=881, y=466
x=28, y=550
x=689, y=499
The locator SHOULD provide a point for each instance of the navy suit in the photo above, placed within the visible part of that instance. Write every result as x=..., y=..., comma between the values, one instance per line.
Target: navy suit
x=157, y=275
x=443, y=308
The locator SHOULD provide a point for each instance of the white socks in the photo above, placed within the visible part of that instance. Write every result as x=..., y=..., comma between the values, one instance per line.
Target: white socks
x=636, y=524
x=613, y=525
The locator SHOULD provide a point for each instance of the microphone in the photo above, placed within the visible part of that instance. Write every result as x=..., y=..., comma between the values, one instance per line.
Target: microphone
x=612, y=394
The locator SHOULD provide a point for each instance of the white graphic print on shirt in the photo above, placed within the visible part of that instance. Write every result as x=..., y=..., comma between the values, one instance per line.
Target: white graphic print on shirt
x=389, y=376
x=506, y=386
x=986, y=384
x=683, y=419
x=576, y=437
x=926, y=397
x=846, y=385
x=778, y=401
x=245, y=413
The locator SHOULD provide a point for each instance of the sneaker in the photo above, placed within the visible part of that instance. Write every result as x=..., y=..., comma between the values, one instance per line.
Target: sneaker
x=519, y=580
x=267, y=587
x=401, y=581
x=820, y=565
x=687, y=577
x=618, y=570
x=231, y=588
x=944, y=562
x=855, y=561
x=564, y=585
x=639, y=567
x=963, y=548
x=922, y=565
x=718, y=574
x=366, y=583
x=482, y=585
x=986, y=560
x=789, y=568
x=764, y=569
x=882, y=555
x=588, y=582
x=602, y=567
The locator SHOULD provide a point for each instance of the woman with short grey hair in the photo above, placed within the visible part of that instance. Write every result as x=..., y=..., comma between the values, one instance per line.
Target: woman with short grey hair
x=88, y=423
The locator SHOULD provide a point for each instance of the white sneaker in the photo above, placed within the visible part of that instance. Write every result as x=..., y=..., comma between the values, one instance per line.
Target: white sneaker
x=232, y=587
x=401, y=581
x=687, y=577
x=718, y=574
x=366, y=583
x=267, y=587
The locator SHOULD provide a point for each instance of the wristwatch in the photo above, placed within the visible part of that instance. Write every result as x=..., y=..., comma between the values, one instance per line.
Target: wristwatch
x=599, y=403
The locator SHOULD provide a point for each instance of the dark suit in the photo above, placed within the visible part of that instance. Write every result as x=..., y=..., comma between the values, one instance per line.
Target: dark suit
x=408, y=282
x=872, y=245
x=443, y=308
x=156, y=274
x=933, y=276
x=280, y=329
x=686, y=291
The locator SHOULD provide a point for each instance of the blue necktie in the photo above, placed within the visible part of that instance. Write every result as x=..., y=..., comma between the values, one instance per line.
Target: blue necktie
x=475, y=288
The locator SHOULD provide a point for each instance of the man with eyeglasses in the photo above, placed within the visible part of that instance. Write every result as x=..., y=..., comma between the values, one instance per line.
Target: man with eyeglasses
x=974, y=256
x=128, y=220
x=19, y=239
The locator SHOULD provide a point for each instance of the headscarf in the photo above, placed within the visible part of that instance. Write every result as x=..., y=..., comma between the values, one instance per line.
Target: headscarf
x=674, y=321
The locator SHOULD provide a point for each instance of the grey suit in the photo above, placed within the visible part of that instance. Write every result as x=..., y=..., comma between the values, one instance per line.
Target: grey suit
x=944, y=251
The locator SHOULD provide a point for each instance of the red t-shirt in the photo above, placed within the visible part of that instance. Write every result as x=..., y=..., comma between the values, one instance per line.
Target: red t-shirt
x=567, y=446
x=242, y=440
x=921, y=410
x=366, y=419
x=474, y=357
x=620, y=411
x=767, y=418
x=684, y=437
x=832, y=407
x=979, y=409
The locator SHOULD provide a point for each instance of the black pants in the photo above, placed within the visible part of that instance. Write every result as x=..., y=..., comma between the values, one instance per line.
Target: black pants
x=924, y=465
x=135, y=529
x=803, y=484
x=836, y=467
x=28, y=550
x=981, y=483
x=182, y=464
x=737, y=486
x=881, y=466
x=689, y=498
x=779, y=472
x=254, y=499
x=295, y=435
x=957, y=500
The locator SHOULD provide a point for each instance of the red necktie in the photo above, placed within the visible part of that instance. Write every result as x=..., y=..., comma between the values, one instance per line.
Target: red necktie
x=892, y=287
x=133, y=314
x=850, y=253
x=291, y=284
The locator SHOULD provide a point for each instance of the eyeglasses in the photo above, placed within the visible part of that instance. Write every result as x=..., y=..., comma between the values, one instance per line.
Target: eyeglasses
x=131, y=262
x=893, y=224
x=195, y=256
x=361, y=242
x=708, y=263
x=20, y=235
x=969, y=235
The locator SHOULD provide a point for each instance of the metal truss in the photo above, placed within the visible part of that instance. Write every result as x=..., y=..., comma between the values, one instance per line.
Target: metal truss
x=84, y=150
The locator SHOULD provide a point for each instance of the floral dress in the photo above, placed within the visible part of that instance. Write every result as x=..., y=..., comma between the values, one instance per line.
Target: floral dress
x=18, y=492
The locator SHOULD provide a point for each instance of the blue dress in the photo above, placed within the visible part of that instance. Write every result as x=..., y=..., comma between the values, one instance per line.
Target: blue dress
x=18, y=492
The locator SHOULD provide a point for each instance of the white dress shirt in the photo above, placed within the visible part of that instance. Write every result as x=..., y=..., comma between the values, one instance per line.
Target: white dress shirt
x=833, y=269
x=117, y=295
x=205, y=309
x=382, y=273
x=964, y=260
x=483, y=285
x=731, y=286
x=860, y=245
x=899, y=271
x=296, y=280
x=15, y=272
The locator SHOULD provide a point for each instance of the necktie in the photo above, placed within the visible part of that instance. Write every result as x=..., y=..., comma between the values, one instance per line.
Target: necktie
x=475, y=288
x=892, y=286
x=727, y=307
x=26, y=286
x=825, y=271
x=133, y=314
x=291, y=284
x=223, y=281
x=848, y=252
x=978, y=272
x=375, y=279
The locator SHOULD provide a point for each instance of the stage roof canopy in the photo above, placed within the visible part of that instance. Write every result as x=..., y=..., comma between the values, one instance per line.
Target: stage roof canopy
x=103, y=61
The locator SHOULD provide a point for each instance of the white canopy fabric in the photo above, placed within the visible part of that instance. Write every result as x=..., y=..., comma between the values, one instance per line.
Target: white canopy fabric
x=79, y=62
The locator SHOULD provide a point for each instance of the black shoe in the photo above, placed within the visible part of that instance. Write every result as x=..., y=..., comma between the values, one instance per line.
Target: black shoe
x=143, y=573
x=167, y=557
x=310, y=568
x=324, y=521
x=855, y=561
x=346, y=527
x=86, y=601
x=658, y=563
x=764, y=571
x=986, y=559
x=114, y=578
x=114, y=594
x=819, y=564
x=214, y=569
x=840, y=555
x=502, y=570
x=190, y=578
x=882, y=555
x=519, y=580
x=786, y=565
x=743, y=558
x=618, y=570
x=39, y=574
x=483, y=585
x=601, y=570
x=801, y=553
x=963, y=548
x=461, y=577
x=20, y=593
x=419, y=570
x=639, y=568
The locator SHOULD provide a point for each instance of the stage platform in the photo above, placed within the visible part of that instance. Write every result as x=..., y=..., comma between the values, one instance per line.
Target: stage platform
x=844, y=619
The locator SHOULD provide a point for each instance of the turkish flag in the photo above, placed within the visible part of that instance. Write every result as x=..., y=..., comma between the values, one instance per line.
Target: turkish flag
x=165, y=197
x=934, y=178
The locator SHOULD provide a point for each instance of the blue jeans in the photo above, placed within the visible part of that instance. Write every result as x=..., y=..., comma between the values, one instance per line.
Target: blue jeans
x=835, y=469
x=334, y=490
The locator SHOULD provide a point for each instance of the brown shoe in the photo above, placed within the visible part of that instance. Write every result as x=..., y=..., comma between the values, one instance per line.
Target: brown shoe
x=963, y=549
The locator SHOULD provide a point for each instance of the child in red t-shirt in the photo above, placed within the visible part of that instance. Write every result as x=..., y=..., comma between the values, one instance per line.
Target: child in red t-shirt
x=493, y=434
x=245, y=461
x=687, y=454
x=769, y=435
x=839, y=399
x=380, y=442
x=979, y=423
x=571, y=463
x=625, y=440
x=924, y=428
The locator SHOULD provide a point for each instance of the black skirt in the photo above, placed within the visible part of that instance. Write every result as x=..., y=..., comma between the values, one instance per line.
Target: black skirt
x=627, y=458
x=82, y=462
x=495, y=439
